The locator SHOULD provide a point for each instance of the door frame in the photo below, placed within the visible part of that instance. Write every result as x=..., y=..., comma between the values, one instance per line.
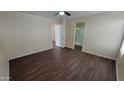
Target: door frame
x=75, y=34
x=63, y=34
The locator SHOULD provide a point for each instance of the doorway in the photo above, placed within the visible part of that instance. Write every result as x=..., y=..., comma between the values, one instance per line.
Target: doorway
x=58, y=35
x=79, y=34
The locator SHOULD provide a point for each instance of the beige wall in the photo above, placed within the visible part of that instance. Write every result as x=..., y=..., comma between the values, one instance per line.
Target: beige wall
x=23, y=34
x=103, y=33
x=120, y=65
x=53, y=33
x=4, y=64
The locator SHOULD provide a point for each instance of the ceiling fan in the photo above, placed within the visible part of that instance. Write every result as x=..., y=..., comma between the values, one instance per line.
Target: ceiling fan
x=63, y=13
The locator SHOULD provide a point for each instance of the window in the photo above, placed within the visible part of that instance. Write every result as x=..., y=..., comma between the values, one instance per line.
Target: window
x=122, y=48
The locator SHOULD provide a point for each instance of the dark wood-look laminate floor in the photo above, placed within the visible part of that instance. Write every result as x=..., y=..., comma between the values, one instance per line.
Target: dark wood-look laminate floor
x=78, y=47
x=62, y=64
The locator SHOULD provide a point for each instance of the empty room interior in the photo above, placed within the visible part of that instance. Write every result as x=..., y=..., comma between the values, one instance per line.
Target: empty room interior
x=61, y=45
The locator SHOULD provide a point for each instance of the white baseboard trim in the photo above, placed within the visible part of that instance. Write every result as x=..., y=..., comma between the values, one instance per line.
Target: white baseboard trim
x=70, y=47
x=98, y=55
x=94, y=54
x=29, y=53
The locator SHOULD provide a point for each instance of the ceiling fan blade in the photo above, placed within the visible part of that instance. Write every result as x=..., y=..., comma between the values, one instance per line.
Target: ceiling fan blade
x=67, y=13
x=57, y=13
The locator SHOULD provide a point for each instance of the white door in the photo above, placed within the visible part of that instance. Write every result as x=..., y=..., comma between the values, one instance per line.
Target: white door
x=58, y=35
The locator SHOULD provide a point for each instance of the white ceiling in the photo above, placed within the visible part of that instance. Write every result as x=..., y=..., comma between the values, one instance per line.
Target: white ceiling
x=51, y=14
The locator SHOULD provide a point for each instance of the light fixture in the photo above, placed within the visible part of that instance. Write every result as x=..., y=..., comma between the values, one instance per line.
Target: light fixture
x=61, y=13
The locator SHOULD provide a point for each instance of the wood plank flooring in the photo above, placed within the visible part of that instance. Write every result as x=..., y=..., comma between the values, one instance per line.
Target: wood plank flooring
x=78, y=47
x=62, y=64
